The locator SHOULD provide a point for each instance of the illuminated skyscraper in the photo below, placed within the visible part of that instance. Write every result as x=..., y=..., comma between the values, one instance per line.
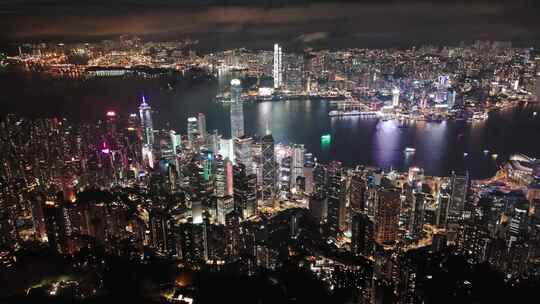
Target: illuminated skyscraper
x=201, y=123
x=278, y=76
x=459, y=188
x=225, y=205
x=192, y=130
x=242, y=152
x=417, y=215
x=386, y=215
x=395, y=97
x=237, y=110
x=336, y=199
x=358, y=192
x=245, y=191
x=362, y=235
x=297, y=163
x=236, y=90
x=268, y=169
x=145, y=113
x=443, y=201
x=451, y=99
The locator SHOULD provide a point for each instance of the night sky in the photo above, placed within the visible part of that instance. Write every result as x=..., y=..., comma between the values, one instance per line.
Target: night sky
x=321, y=24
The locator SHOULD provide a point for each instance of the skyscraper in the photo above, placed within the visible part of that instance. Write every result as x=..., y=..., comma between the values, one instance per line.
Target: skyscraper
x=336, y=199
x=395, y=97
x=242, y=152
x=417, y=215
x=192, y=130
x=451, y=100
x=277, y=66
x=145, y=113
x=237, y=110
x=443, y=200
x=459, y=188
x=245, y=191
x=358, y=192
x=268, y=169
x=236, y=90
x=297, y=163
x=361, y=235
x=201, y=124
x=386, y=215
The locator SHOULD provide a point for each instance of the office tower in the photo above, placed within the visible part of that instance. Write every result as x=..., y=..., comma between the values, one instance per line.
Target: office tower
x=225, y=205
x=417, y=215
x=221, y=176
x=519, y=223
x=395, y=97
x=245, y=191
x=237, y=120
x=226, y=148
x=451, y=101
x=358, y=189
x=213, y=142
x=309, y=164
x=192, y=130
x=159, y=229
x=362, y=242
x=297, y=163
x=176, y=141
x=278, y=76
x=443, y=200
x=458, y=197
x=237, y=110
x=268, y=170
x=191, y=242
x=242, y=152
x=201, y=125
x=236, y=91
x=386, y=215
x=336, y=199
x=145, y=114
x=320, y=175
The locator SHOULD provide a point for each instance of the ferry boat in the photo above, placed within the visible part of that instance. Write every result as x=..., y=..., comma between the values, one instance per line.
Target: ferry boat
x=480, y=116
x=410, y=150
x=336, y=113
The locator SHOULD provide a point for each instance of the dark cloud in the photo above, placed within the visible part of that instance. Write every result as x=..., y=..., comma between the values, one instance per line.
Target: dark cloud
x=226, y=24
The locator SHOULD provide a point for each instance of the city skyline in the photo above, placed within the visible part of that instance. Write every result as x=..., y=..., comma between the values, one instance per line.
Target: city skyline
x=304, y=151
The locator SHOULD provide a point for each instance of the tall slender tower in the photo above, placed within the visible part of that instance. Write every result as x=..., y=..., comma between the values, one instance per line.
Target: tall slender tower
x=386, y=216
x=297, y=164
x=277, y=66
x=145, y=113
x=268, y=169
x=237, y=110
x=395, y=97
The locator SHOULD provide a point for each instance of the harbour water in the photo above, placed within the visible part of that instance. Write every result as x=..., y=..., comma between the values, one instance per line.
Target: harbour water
x=440, y=146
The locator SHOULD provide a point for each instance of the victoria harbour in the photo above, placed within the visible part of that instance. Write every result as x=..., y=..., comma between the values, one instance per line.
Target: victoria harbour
x=441, y=147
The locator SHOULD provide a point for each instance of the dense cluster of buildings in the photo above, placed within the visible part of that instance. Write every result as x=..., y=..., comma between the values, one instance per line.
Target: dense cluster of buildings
x=207, y=201
x=204, y=200
x=427, y=80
